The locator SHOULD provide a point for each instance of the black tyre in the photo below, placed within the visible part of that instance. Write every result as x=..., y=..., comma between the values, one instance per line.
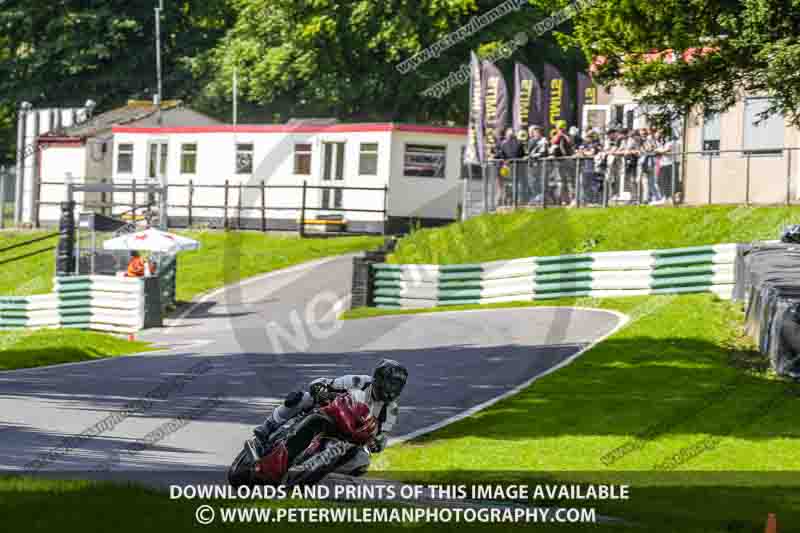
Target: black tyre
x=241, y=471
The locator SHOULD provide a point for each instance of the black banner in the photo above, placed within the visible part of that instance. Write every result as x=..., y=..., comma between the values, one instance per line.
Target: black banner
x=495, y=98
x=475, y=152
x=557, y=101
x=528, y=107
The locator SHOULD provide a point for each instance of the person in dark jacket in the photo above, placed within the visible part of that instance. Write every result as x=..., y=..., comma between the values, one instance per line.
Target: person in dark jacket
x=510, y=149
x=538, y=148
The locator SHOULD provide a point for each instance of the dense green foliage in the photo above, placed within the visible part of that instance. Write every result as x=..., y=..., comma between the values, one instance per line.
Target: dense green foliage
x=755, y=40
x=63, y=53
x=564, y=231
x=294, y=58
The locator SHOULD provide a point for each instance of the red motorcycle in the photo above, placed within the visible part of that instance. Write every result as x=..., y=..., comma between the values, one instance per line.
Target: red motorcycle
x=308, y=448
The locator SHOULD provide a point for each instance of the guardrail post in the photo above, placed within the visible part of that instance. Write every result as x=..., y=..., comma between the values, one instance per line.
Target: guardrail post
x=239, y=208
x=514, y=184
x=578, y=182
x=3, y=177
x=263, y=206
x=789, y=177
x=225, y=216
x=302, y=225
x=385, y=208
x=543, y=182
x=710, y=159
x=189, y=203
x=133, y=201
x=747, y=181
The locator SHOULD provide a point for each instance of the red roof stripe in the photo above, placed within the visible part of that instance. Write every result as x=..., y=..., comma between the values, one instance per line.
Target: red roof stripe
x=283, y=128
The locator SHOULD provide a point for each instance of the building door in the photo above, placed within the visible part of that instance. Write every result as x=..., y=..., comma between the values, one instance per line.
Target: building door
x=333, y=161
x=157, y=159
x=332, y=171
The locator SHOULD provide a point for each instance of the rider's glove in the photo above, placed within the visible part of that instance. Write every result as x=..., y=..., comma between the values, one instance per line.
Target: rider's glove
x=378, y=444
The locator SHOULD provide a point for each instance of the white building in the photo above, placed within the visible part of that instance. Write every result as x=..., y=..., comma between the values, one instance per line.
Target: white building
x=345, y=166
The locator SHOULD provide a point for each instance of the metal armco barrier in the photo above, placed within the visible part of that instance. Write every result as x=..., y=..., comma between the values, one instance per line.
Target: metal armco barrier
x=604, y=274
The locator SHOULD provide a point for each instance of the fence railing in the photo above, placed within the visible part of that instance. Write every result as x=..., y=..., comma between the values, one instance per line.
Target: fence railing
x=692, y=178
x=238, y=205
x=8, y=176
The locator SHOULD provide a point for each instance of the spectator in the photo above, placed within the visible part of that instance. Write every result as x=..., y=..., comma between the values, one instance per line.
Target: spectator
x=510, y=150
x=537, y=149
x=613, y=157
x=667, y=169
x=561, y=186
x=510, y=147
x=135, y=265
x=591, y=178
x=575, y=136
x=648, y=182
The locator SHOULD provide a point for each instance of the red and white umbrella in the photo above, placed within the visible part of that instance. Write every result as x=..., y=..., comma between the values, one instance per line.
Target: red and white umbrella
x=152, y=240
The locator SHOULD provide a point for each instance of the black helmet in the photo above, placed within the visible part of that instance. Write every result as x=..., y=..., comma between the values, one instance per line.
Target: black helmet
x=388, y=380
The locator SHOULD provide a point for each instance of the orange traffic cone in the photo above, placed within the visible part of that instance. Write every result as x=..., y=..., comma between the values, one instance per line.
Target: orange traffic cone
x=131, y=337
x=772, y=524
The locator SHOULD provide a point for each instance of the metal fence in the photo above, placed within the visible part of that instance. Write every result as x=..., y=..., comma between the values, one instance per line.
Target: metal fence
x=764, y=177
x=231, y=205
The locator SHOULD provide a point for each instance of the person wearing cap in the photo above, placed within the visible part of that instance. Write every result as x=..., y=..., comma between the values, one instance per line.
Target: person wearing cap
x=564, y=176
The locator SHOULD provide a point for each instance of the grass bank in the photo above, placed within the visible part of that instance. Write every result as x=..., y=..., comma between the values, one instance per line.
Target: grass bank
x=26, y=269
x=562, y=231
x=679, y=389
x=224, y=257
x=32, y=348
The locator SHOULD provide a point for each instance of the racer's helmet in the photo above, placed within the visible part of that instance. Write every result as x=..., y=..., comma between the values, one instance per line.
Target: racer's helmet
x=388, y=380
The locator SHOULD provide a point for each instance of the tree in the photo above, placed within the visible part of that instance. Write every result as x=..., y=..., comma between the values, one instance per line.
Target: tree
x=63, y=53
x=721, y=48
x=339, y=57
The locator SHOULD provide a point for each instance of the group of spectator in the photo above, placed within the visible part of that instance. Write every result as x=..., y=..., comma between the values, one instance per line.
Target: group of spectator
x=615, y=165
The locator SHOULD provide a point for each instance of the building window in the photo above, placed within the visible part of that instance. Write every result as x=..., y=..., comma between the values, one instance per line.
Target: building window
x=368, y=159
x=189, y=158
x=302, y=159
x=244, y=158
x=125, y=159
x=424, y=161
x=762, y=137
x=337, y=198
x=711, y=135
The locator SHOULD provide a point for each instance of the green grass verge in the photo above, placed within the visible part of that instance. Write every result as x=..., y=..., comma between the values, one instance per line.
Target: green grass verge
x=23, y=271
x=42, y=347
x=227, y=257
x=680, y=380
x=561, y=231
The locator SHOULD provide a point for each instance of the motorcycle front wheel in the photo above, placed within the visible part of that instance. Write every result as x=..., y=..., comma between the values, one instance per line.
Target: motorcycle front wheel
x=241, y=470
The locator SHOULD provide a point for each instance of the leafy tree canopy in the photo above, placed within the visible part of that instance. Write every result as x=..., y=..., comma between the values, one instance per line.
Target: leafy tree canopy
x=749, y=46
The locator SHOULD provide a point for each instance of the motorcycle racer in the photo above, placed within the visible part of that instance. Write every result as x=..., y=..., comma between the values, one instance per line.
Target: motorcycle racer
x=379, y=391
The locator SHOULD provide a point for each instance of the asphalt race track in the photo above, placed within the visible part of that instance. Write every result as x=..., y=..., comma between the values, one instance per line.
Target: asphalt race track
x=185, y=410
